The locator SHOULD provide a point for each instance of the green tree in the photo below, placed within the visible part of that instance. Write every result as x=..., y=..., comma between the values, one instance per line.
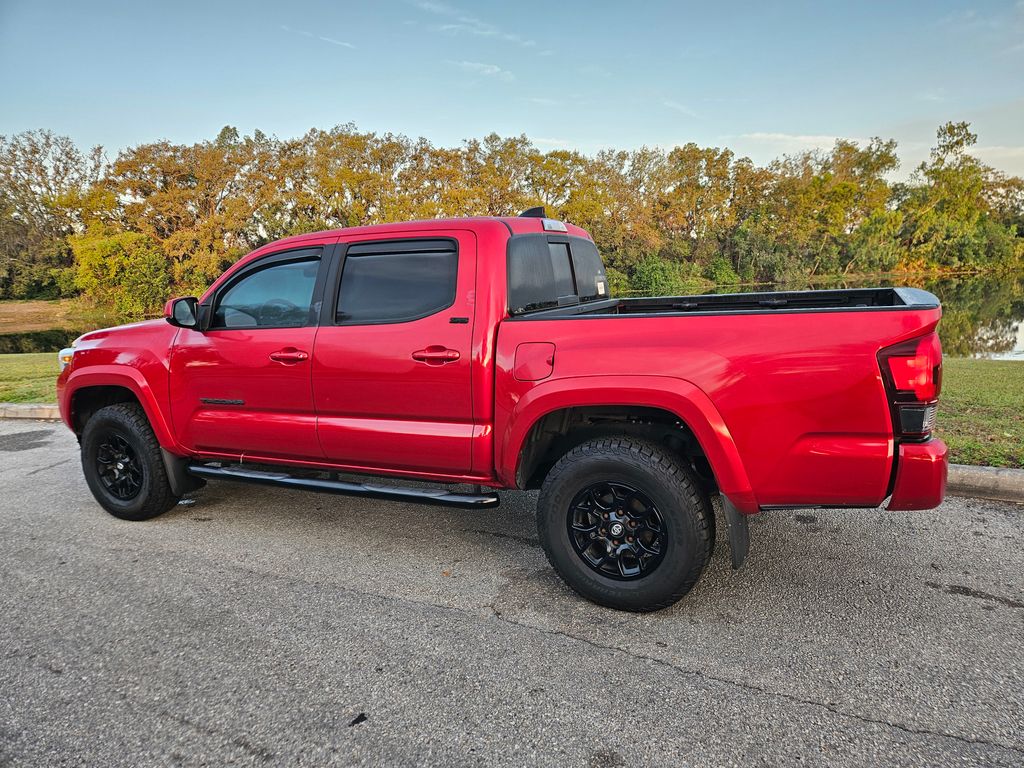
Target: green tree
x=200, y=204
x=694, y=209
x=43, y=178
x=173, y=216
x=948, y=208
x=125, y=270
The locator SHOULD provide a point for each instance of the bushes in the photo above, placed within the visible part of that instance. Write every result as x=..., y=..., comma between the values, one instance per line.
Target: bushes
x=618, y=282
x=126, y=270
x=720, y=272
x=655, y=276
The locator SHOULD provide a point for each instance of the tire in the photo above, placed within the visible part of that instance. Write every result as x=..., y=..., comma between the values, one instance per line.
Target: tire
x=134, y=486
x=655, y=495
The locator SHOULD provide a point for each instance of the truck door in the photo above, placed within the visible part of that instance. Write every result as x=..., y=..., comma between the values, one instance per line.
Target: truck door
x=244, y=384
x=391, y=367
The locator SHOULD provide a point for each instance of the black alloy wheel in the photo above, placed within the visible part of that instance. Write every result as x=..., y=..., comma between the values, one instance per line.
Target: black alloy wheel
x=625, y=522
x=124, y=464
x=617, y=530
x=118, y=467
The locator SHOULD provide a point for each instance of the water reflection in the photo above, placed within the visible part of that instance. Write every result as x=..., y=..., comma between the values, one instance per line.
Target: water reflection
x=982, y=316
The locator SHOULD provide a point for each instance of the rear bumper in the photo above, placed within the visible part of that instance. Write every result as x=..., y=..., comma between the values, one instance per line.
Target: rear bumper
x=921, y=471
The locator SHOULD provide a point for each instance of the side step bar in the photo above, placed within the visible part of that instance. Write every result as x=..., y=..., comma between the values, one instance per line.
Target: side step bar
x=437, y=496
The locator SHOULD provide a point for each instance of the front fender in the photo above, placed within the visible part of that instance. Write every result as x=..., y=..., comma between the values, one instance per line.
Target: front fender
x=119, y=376
x=688, y=402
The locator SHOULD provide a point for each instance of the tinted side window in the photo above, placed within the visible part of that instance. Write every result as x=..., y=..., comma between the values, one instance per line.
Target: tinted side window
x=277, y=296
x=395, y=282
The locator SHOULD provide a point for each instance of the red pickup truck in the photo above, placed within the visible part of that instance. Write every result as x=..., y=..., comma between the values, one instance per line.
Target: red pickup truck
x=488, y=352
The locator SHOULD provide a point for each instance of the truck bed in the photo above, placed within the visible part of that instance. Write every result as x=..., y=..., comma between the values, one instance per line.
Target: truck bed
x=793, y=376
x=838, y=300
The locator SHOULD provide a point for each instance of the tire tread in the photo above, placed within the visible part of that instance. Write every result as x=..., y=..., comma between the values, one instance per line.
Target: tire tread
x=651, y=456
x=131, y=417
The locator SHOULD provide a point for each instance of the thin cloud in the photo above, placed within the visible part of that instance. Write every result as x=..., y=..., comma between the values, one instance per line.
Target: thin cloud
x=997, y=152
x=481, y=68
x=792, y=139
x=726, y=100
x=311, y=36
x=675, y=106
x=594, y=70
x=463, y=23
x=554, y=143
x=971, y=19
x=545, y=101
x=332, y=41
x=959, y=18
x=441, y=9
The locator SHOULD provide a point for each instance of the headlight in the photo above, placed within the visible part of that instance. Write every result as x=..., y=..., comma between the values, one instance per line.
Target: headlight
x=64, y=357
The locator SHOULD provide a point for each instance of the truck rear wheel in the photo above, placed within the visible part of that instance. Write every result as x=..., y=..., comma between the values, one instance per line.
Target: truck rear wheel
x=625, y=523
x=122, y=463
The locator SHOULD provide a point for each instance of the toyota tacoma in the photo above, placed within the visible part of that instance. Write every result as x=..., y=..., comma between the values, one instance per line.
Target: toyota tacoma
x=479, y=354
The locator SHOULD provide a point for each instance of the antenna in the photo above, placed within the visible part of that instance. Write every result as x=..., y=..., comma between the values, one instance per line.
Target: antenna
x=534, y=213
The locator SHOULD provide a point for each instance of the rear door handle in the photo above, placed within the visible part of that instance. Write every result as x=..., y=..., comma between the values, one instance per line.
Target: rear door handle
x=289, y=355
x=436, y=355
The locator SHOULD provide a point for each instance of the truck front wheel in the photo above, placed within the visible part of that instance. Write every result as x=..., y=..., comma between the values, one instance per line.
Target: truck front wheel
x=122, y=463
x=625, y=523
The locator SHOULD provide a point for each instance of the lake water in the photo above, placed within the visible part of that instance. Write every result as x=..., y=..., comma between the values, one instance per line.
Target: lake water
x=982, y=316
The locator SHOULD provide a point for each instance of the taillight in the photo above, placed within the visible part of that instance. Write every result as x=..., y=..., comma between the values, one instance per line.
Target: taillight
x=912, y=371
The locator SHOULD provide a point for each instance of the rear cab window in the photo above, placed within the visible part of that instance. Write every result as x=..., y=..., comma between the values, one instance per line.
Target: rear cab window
x=546, y=271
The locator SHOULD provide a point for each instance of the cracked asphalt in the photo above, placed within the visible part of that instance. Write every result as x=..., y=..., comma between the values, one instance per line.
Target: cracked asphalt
x=257, y=626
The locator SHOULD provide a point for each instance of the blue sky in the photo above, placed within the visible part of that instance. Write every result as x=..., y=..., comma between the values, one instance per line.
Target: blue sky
x=762, y=78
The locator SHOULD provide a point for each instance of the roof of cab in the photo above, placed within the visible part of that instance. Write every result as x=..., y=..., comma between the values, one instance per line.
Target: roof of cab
x=516, y=225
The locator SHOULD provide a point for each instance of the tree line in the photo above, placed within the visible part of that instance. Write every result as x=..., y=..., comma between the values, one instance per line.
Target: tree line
x=164, y=218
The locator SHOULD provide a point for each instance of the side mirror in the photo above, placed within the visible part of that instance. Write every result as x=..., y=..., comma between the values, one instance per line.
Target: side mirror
x=183, y=313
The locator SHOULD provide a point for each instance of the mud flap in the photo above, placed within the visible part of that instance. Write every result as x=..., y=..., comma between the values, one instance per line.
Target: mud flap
x=178, y=478
x=739, y=534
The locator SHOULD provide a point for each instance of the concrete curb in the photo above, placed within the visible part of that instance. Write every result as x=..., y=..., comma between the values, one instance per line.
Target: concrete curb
x=44, y=411
x=997, y=483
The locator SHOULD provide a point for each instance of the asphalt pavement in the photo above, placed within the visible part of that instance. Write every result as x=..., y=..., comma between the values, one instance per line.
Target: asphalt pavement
x=256, y=626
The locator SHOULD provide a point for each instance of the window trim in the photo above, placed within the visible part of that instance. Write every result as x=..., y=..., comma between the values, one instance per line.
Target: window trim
x=319, y=253
x=329, y=314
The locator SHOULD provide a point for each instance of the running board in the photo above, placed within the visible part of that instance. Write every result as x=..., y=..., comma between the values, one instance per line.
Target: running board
x=437, y=496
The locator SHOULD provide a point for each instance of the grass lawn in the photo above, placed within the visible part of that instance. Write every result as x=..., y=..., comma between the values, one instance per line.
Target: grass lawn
x=28, y=378
x=981, y=412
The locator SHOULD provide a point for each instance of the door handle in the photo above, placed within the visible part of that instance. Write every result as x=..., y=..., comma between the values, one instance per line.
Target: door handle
x=436, y=355
x=289, y=355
